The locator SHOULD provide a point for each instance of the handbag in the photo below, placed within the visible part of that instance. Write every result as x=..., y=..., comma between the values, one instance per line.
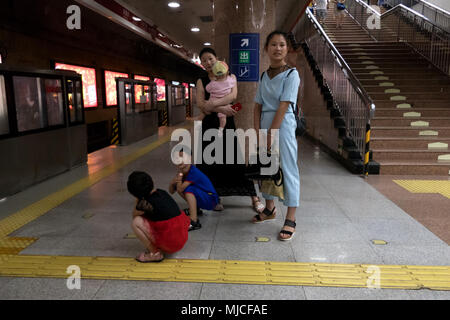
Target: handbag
x=340, y=6
x=253, y=172
x=271, y=188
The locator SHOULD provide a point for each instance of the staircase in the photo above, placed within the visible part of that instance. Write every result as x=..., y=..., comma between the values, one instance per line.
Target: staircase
x=411, y=129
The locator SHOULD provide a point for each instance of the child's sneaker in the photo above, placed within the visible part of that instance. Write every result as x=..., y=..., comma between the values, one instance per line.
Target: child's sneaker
x=195, y=225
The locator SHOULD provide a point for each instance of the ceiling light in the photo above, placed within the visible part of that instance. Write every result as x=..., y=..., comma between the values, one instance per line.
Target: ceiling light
x=195, y=29
x=137, y=19
x=207, y=44
x=174, y=4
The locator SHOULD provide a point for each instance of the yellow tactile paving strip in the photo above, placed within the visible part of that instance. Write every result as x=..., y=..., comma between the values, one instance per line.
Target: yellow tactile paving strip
x=226, y=271
x=426, y=186
x=214, y=271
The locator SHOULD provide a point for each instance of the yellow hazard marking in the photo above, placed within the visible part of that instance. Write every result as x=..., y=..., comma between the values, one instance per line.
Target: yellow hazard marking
x=420, y=124
x=381, y=78
x=372, y=67
x=386, y=84
x=226, y=271
x=426, y=186
x=130, y=236
x=428, y=133
x=392, y=91
x=377, y=72
x=404, y=106
x=444, y=157
x=412, y=115
x=438, y=146
x=262, y=239
x=379, y=242
x=398, y=98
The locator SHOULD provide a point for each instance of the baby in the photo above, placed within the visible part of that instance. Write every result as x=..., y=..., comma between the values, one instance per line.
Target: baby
x=220, y=88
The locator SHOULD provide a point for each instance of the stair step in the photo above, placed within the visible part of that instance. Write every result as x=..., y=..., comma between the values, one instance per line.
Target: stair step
x=424, y=112
x=409, y=143
x=411, y=96
x=397, y=122
x=408, y=154
x=442, y=132
x=412, y=167
x=384, y=85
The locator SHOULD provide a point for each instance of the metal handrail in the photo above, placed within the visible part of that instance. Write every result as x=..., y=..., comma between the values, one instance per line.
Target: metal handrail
x=355, y=104
x=426, y=38
x=439, y=16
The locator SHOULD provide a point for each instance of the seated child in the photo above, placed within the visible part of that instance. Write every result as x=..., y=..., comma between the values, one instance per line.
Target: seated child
x=158, y=222
x=220, y=88
x=194, y=187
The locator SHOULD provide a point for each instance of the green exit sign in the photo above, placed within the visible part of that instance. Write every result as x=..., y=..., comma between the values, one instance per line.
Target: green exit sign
x=244, y=56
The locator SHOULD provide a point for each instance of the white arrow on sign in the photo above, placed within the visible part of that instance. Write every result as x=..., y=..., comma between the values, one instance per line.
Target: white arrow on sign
x=245, y=42
x=243, y=71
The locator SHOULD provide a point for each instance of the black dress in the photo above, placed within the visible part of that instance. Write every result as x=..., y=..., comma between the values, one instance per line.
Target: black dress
x=228, y=179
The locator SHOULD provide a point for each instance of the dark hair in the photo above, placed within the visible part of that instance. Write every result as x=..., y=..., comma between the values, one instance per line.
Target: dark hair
x=139, y=184
x=275, y=33
x=207, y=50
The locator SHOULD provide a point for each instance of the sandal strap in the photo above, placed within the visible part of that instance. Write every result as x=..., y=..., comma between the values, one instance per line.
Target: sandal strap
x=289, y=233
x=267, y=212
x=290, y=223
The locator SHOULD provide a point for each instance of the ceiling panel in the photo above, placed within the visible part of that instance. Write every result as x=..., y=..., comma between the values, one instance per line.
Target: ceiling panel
x=176, y=23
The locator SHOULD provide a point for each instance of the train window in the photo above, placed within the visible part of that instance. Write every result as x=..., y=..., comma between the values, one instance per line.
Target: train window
x=179, y=96
x=27, y=93
x=54, y=99
x=71, y=102
x=4, y=124
x=142, y=98
x=79, y=103
x=128, y=101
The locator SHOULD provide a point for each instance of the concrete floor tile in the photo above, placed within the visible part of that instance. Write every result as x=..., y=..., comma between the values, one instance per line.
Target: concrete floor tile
x=213, y=291
x=148, y=290
x=414, y=254
x=339, y=252
x=429, y=295
x=193, y=249
x=326, y=230
x=48, y=289
x=332, y=293
x=253, y=251
x=396, y=231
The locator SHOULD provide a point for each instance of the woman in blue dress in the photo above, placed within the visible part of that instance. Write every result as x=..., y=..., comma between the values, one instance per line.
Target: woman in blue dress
x=277, y=90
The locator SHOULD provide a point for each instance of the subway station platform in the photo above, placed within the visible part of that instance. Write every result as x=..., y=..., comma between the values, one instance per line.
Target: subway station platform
x=378, y=238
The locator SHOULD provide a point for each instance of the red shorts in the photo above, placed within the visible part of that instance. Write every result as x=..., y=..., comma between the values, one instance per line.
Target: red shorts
x=170, y=235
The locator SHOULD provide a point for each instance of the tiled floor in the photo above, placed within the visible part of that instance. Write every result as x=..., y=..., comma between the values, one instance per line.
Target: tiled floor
x=340, y=214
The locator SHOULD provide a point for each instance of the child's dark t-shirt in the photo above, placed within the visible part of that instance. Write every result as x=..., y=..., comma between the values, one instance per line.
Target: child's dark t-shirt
x=164, y=207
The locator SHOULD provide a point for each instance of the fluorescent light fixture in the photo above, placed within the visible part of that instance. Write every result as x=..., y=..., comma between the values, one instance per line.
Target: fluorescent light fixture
x=195, y=29
x=175, y=83
x=192, y=85
x=3, y=200
x=207, y=44
x=137, y=19
x=174, y=4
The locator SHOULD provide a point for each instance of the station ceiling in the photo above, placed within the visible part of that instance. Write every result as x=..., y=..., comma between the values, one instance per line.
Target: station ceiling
x=177, y=22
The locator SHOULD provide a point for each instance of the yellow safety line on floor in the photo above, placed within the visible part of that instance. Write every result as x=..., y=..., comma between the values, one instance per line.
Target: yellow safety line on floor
x=228, y=271
x=426, y=186
x=39, y=208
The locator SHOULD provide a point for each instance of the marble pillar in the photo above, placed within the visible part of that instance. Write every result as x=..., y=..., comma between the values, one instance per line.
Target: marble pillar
x=243, y=16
